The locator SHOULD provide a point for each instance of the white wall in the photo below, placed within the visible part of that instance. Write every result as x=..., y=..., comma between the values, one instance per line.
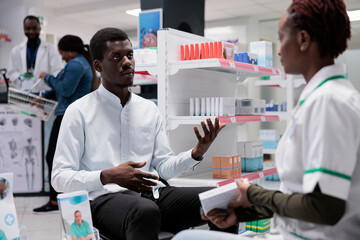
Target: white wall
x=58, y=26
x=351, y=59
x=12, y=13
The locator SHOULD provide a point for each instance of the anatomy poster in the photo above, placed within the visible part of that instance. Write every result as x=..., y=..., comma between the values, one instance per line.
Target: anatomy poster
x=21, y=149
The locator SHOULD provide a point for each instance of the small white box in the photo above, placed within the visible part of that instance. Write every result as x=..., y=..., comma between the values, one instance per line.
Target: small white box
x=203, y=107
x=192, y=107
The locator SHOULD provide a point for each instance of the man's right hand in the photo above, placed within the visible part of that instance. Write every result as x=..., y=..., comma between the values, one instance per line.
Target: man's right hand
x=128, y=176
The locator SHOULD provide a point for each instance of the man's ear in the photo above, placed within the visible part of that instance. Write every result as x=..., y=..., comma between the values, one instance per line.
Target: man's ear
x=304, y=39
x=98, y=66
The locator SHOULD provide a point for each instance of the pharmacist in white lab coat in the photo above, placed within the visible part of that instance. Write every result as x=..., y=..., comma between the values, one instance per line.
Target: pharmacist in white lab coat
x=318, y=157
x=31, y=58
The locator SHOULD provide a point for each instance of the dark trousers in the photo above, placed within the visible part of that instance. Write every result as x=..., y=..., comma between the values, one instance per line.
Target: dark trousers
x=126, y=215
x=51, y=151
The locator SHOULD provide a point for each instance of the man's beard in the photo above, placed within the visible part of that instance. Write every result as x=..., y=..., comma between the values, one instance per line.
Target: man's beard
x=33, y=41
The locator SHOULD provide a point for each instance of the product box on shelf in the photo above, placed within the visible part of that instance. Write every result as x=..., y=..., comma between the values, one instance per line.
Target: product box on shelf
x=270, y=138
x=212, y=106
x=145, y=56
x=226, y=166
x=251, y=155
x=246, y=57
x=259, y=226
x=263, y=50
x=250, y=107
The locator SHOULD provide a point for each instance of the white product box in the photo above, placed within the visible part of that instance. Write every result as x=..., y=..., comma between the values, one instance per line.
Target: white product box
x=219, y=197
x=212, y=106
x=259, y=105
x=263, y=49
x=226, y=106
x=192, y=107
x=250, y=149
x=208, y=106
x=246, y=107
x=197, y=106
x=217, y=101
x=203, y=107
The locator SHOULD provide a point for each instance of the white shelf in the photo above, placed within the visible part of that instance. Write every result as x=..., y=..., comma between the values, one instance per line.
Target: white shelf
x=279, y=83
x=142, y=79
x=175, y=121
x=283, y=116
x=205, y=179
x=146, y=69
x=242, y=70
x=269, y=151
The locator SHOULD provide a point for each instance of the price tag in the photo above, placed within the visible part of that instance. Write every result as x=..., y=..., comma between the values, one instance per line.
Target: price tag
x=233, y=119
x=261, y=174
x=263, y=119
x=232, y=65
x=256, y=69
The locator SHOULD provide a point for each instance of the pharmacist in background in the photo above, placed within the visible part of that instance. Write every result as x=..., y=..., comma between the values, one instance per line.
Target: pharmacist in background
x=318, y=156
x=31, y=58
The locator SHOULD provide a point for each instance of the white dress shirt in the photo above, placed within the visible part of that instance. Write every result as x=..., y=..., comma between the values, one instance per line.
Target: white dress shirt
x=322, y=145
x=97, y=133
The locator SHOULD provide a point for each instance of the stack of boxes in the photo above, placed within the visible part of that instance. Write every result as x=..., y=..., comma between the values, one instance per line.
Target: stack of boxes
x=226, y=166
x=212, y=106
x=259, y=226
x=251, y=155
x=226, y=106
x=270, y=138
x=263, y=50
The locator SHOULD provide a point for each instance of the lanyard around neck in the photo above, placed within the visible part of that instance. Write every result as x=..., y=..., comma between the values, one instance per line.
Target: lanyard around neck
x=326, y=80
x=31, y=57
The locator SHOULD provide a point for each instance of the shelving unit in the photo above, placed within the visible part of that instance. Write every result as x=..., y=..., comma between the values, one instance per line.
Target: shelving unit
x=178, y=81
x=145, y=74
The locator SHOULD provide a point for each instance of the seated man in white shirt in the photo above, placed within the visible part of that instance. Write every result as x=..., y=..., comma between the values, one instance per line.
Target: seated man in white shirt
x=112, y=143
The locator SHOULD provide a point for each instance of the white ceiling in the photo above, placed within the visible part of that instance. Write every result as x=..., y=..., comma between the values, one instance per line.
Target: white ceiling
x=105, y=13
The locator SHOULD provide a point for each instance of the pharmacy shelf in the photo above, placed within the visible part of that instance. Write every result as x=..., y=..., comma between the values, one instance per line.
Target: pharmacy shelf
x=5, y=39
x=205, y=179
x=146, y=69
x=250, y=176
x=283, y=116
x=142, y=79
x=279, y=83
x=269, y=151
x=175, y=121
x=242, y=70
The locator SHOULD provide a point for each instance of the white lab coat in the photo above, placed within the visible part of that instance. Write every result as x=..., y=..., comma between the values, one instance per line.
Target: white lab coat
x=47, y=60
x=322, y=145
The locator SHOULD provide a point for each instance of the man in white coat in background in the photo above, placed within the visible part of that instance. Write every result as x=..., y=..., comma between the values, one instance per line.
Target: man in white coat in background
x=31, y=58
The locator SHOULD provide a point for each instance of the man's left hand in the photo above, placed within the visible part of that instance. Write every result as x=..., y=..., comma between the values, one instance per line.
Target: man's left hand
x=210, y=133
x=222, y=219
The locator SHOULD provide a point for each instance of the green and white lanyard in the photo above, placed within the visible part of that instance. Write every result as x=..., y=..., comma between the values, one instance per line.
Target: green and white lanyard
x=326, y=80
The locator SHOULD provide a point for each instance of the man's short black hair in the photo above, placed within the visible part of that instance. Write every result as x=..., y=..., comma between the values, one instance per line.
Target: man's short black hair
x=98, y=41
x=31, y=17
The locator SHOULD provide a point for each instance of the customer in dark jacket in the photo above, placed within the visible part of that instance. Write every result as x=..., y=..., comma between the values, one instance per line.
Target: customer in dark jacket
x=75, y=80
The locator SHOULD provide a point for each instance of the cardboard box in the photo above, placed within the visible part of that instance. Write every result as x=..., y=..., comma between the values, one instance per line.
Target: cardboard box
x=216, y=166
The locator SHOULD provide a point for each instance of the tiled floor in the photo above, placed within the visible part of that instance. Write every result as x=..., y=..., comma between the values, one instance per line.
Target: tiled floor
x=37, y=227
x=47, y=227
